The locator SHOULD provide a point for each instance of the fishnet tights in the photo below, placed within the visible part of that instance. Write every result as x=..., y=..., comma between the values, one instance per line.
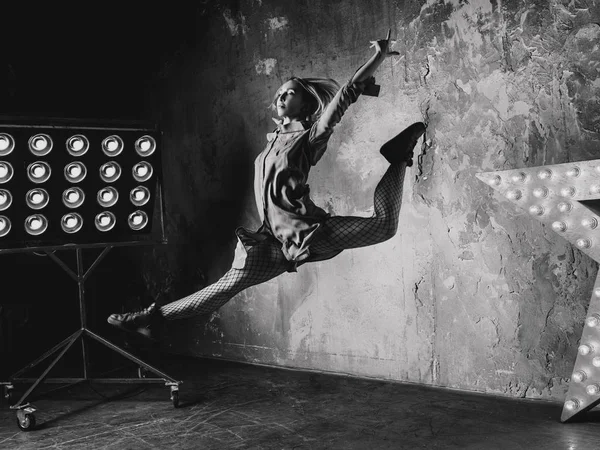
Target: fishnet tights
x=265, y=261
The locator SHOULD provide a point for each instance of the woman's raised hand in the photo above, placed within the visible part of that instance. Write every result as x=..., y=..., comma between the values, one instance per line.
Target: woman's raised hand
x=382, y=46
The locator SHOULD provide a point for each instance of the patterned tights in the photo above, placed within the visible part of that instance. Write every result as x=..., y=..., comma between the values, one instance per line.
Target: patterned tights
x=265, y=261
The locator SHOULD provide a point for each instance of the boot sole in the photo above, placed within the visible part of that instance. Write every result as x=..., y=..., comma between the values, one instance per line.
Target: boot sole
x=397, y=150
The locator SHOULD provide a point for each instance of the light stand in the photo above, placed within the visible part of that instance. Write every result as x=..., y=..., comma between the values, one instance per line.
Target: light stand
x=77, y=217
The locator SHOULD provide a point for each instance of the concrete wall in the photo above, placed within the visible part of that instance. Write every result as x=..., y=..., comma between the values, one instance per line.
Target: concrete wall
x=471, y=293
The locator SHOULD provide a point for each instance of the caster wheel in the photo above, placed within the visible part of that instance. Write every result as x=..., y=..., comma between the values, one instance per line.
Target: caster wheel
x=27, y=423
x=175, y=398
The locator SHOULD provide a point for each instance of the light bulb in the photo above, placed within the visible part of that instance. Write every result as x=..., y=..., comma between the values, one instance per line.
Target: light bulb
x=107, y=196
x=593, y=320
x=3, y=198
x=559, y=226
x=597, y=292
x=145, y=145
x=540, y=192
x=495, y=181
x=592, y=389
x=75, y=171
x=73, y=196
x=40, y=143
x=564, y=207
x=572, y=404
x=39, y=171
x=110, y=171
x=104, y=220
x=3, y=170
x=536, y=210
x=573, y=172
x=579, y=376
x=585, y=349
x=544, y=174
x=37, y=198
x=514, y=194
x=4, y=143
x=112, y=145
x=77, y=144
x=519, y=177
x=35, y=224
x=589, y=222
x=2, y=224
x=568, y=191
x=142, y=170
x=584, y=243
x=596, y=361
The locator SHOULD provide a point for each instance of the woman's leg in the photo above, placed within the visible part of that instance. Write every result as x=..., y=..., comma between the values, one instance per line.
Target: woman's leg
x=263, y=262
x=340, y=232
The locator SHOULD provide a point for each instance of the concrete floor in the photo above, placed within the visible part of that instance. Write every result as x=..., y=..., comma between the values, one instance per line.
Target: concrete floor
x=225, y=405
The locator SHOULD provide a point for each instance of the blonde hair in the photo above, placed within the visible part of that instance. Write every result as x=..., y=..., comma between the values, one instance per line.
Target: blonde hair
x=320, y=93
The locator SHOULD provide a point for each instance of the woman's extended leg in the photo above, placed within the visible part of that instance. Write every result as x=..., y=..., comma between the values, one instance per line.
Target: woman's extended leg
x=264, y=261
x=345, y=232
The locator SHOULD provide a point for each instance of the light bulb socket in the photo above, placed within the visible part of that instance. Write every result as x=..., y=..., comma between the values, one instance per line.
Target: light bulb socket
x=73, y=197
x=572, y=404
x=40, y=144
x=112, y=145
x=142, y=171
x=564, y=207
x=583, y=243
x=107, y=196
x=38, y=172
x=145, y=146
x=5, y=199
x=536, y=210
x=71, y=223
x=137, y=220
x=514, y=194
x=37, y=198
x=139, y=196
x=540, y=192
x=75, y=172
x=544, y=174
x=568, y=191
x=520, y=177
x=36, y=224
x=585, y=349
x=560, y=227
x=78, y=145
x=589, y=222
x=574, y=172
x=7, y=144
x=579, y=376
x=110, y=172
x=5, y=226
x=105, y=221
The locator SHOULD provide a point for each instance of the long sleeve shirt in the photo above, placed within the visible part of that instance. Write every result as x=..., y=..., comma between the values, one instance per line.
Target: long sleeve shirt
x=282, y=194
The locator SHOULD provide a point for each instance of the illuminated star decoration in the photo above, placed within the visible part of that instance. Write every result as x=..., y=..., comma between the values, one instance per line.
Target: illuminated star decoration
x=553, y=194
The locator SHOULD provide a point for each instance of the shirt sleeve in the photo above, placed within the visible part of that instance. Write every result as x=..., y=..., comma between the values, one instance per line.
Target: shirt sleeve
x=321, y=130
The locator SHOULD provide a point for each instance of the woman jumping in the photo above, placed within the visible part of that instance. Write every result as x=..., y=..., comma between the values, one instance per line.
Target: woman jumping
x=294, y=230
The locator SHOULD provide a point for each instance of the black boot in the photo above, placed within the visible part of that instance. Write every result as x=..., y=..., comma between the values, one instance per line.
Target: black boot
x=400, y=148
x=147, y=322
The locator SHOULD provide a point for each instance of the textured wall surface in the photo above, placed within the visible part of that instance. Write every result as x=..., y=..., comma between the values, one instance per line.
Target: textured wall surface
x=471, y=293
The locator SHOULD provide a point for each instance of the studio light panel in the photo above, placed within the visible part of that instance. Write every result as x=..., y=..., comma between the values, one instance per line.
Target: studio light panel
x=61, y=185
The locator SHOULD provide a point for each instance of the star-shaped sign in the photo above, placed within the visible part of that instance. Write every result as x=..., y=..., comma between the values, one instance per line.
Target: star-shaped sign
x=553, y=195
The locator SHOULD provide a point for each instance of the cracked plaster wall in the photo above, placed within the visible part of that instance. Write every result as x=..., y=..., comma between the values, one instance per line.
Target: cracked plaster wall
x=471, y=293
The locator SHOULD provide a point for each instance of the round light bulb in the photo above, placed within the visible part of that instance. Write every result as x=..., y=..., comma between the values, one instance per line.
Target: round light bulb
x=585, y=349
x=71, y=222
x=139, y=195
x=112, y=145
x=540, y=192
x=3, y=171
x=39, y=171
x=596, y=361
x=584, y=243
x=104, y=220
x=2, y=224
x=568, y=191
x=4, y=143
x=589, y=222
x=145, y=145
x=559, y=226
x=110, y=171
x=35, y=224
x=592, y=389
x=3, y=198
x=593, y=320
x=572, y=404
x=519, y=177
x=77, y=144
x=544, y=174
x=137, y=219
x=107, y=196
x=142, y=170
x=73, y=196
x=536, y=210
x=40, y=143
x=37, y=198
x=579, y=376
x=75, y=171
x=495, y=181
x=573, y=172
x=564, y=207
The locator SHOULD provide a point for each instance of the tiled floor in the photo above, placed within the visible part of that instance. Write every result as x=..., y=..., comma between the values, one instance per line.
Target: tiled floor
x=226, y=405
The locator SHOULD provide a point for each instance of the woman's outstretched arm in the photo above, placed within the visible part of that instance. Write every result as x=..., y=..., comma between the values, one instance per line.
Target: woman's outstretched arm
x=382, y=51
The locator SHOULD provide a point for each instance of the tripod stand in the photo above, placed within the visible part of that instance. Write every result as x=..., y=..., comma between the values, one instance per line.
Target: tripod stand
x=25, y=411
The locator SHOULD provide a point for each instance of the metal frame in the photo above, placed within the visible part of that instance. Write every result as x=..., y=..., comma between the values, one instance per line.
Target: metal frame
x=25, y=410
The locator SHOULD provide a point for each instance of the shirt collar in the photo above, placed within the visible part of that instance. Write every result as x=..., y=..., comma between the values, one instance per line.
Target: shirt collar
x=292, y=127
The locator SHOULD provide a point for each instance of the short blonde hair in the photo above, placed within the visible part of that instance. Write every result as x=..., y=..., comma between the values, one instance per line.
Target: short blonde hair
x=320, y=93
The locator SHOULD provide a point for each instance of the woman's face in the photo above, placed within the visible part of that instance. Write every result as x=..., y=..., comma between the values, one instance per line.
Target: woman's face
x=290, y=102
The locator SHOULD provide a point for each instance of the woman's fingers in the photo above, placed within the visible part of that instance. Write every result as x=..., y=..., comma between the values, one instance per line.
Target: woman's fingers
x=389, y=34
